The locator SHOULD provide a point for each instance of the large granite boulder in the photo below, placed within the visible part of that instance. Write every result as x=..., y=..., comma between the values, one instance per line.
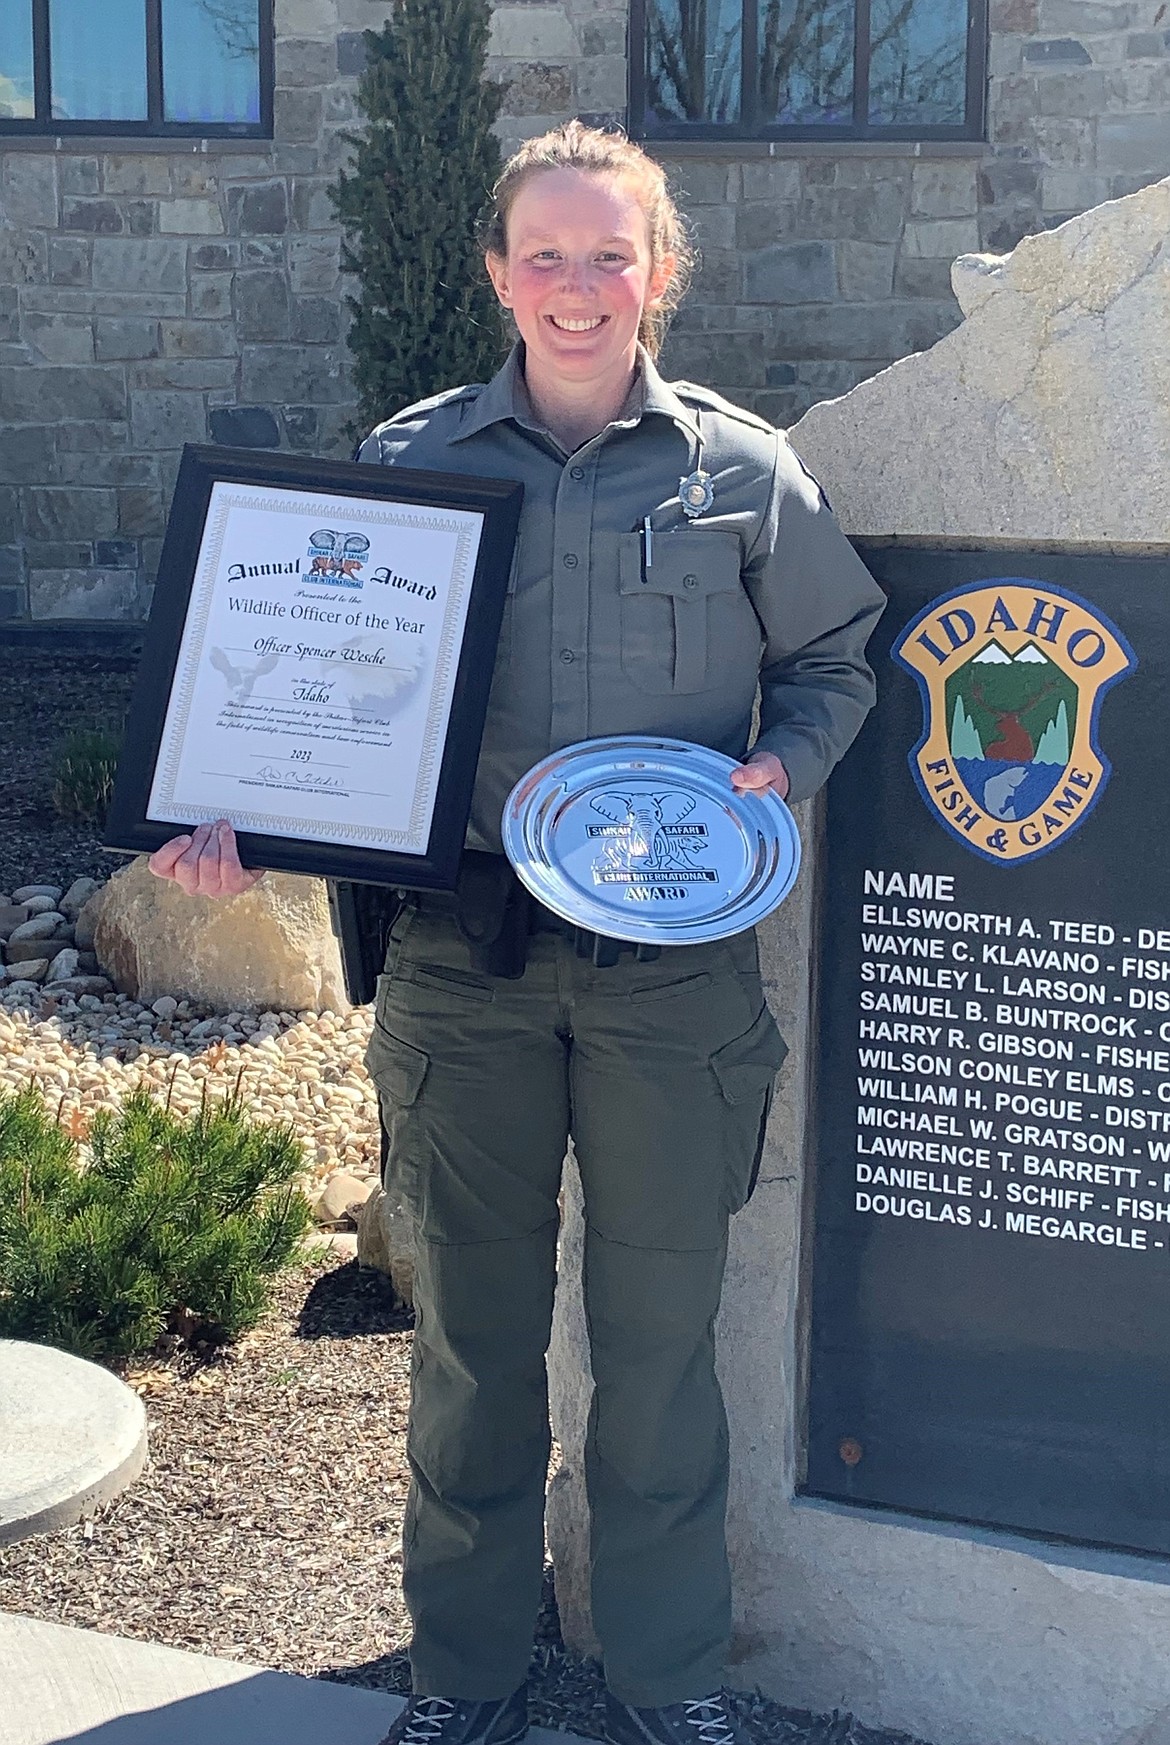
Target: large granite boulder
x=1045, y=415
x=271, y=949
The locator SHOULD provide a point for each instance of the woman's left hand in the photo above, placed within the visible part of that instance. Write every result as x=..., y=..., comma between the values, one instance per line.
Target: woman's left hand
x=763, y=769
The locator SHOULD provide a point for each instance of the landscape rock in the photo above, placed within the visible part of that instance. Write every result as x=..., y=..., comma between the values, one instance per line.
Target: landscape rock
x=39, y=905
x=63, y=966
x=11, y=916
x=23, y=950
x=343, y=1197
x=31, y=970
x=86, y=922
x=38, y=926
x=1020, y=425
x=385, y=1241
x=77, y=896
x=341, y=1243
x=273, y=947
x=165, y=1006
x=83, y=985
x=26, y=892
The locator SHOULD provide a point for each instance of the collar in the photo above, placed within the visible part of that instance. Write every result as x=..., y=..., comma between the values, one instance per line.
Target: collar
x=506, y=397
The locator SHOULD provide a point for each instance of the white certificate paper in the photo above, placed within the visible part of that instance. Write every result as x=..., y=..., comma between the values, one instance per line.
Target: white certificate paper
x=314, y=682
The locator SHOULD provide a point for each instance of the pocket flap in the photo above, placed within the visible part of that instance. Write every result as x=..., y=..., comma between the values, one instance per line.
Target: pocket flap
x=688, y=565
x=395, y=1067
x=746, y=1067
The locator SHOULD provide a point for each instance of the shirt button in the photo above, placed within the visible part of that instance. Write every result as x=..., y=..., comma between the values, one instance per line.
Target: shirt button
x=568, y=656
x=570, y=560
x=690, y=581
x=576, y=472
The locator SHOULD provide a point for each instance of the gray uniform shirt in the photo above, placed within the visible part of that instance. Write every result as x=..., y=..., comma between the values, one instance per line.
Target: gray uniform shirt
x=763, y=588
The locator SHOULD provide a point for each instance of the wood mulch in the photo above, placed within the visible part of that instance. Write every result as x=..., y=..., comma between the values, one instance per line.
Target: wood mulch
x=267, y=1525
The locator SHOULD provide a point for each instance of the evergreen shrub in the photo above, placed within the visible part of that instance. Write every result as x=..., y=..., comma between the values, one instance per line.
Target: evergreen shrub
x=173, y=1221
x=425, y=317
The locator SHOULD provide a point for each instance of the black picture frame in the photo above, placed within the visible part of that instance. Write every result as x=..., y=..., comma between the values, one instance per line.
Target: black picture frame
x=129, y=830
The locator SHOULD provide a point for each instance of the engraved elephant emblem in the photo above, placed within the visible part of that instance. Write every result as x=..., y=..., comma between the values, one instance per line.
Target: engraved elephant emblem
x=643, y=841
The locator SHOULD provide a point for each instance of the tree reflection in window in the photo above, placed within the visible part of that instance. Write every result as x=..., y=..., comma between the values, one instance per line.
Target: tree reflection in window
x=211, y=60
x=806, y=61
x=803, y=71
x=148, y=66
x=918, y=61
x=694, y=59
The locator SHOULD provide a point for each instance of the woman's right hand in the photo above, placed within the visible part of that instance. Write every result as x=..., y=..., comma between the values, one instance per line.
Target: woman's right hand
x=206, y=864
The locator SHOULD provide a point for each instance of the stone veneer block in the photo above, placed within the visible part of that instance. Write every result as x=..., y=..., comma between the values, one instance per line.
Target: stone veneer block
x=110, y=594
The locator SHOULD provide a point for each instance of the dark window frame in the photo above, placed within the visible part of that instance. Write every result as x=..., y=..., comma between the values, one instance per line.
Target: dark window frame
x=749, y=127
x=44, y=125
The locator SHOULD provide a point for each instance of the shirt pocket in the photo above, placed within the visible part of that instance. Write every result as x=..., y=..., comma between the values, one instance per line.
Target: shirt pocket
x=685, y=615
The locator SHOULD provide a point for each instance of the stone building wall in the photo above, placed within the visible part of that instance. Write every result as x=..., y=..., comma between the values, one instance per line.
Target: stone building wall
x=156, y=292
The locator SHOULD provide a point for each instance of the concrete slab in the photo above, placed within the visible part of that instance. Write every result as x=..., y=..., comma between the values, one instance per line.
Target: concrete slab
x=78, y=1685
x=71, y=1436
x=63, y=1685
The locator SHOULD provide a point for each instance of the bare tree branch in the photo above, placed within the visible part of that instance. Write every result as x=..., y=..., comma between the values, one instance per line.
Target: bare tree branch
x=236, y=23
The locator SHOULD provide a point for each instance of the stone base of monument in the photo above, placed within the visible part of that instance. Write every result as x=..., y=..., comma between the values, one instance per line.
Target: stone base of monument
x=71, y=1436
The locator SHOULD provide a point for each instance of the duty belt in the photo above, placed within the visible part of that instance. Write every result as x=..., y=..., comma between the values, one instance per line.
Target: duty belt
x=496, y=916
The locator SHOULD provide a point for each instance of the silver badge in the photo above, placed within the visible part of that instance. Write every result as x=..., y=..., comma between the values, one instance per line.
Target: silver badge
x=645, y=839
x=696, y=493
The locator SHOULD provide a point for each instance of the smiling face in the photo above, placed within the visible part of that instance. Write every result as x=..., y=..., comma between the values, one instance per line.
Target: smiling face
x=578, y=276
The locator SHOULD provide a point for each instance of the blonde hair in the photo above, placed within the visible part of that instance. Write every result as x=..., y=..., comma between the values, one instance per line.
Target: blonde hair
x=596, y=153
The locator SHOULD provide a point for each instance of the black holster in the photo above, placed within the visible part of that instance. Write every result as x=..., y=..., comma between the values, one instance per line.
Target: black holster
x=362, y=916
x=489, y=906
x=491, y=910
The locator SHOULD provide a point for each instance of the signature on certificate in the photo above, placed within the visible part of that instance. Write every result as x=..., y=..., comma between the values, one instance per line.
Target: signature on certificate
x=300, y=778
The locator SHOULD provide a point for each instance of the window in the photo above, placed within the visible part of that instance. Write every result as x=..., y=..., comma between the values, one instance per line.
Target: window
x=807, y=69
x=136, y=66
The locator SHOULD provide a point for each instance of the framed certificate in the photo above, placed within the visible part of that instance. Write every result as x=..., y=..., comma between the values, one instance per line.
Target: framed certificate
x=317, y=664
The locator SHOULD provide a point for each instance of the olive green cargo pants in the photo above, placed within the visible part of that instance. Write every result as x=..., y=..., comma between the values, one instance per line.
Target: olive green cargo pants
x=662, y=1073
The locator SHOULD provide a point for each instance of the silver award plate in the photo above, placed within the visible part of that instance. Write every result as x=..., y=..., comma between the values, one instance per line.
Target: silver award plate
x=645, y=839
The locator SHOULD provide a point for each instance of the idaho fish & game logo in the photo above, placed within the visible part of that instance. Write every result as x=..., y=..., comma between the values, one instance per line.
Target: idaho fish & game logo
x=1012, y=675
x=338, y=558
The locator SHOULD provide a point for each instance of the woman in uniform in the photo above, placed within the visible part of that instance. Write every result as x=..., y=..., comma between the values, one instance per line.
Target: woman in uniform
x=674, y=555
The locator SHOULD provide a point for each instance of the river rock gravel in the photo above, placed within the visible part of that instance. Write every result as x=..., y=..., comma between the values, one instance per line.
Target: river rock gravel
x=86, y=1053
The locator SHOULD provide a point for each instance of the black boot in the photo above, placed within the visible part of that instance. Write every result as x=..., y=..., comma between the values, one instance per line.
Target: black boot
x=461, y=1721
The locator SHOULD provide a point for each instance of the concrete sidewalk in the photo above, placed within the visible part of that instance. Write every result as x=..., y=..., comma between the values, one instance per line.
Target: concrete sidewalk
x=59, y=1684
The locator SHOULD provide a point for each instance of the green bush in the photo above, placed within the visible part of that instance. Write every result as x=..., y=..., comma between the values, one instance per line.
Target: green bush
x=83, y=774
x=173, y=1217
